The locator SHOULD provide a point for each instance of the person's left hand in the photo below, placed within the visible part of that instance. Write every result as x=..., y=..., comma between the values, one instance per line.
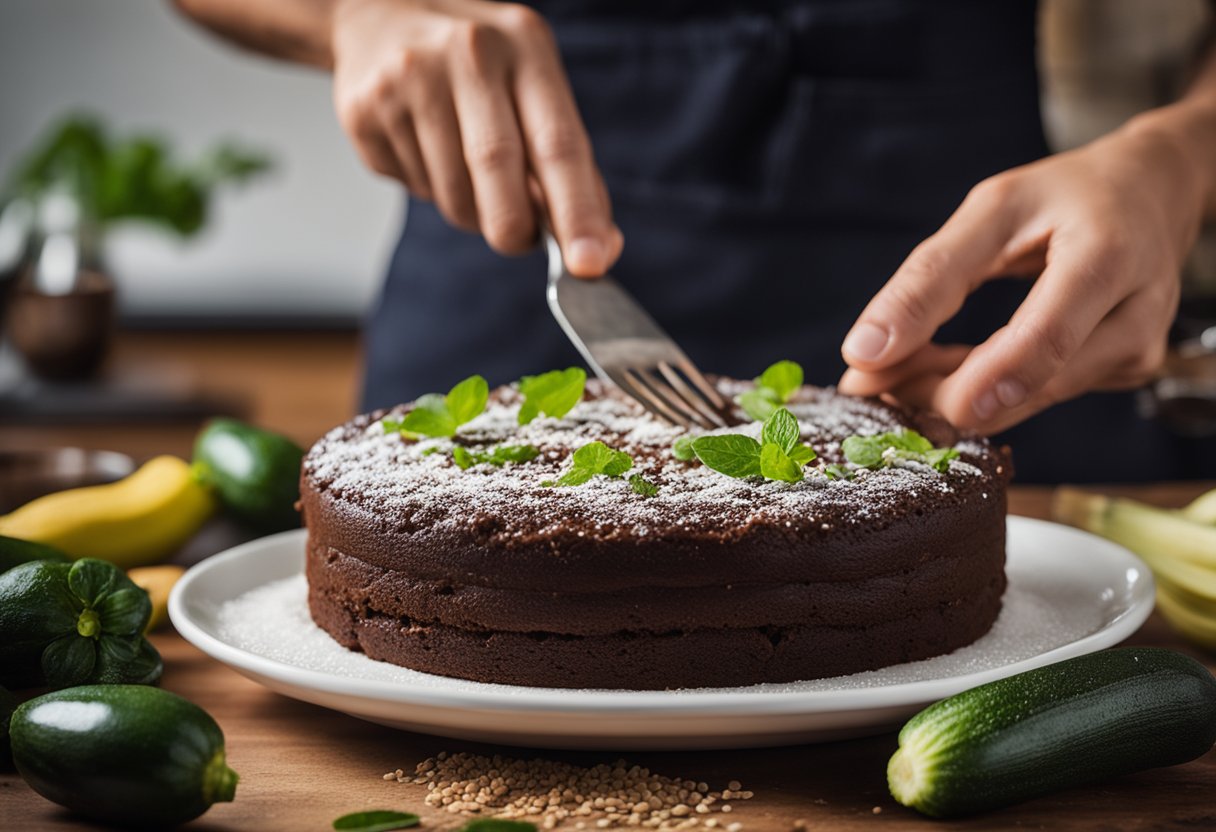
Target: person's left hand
x=1102, y=230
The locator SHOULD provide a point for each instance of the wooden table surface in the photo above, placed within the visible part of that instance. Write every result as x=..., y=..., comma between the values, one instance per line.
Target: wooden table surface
x=301, y=766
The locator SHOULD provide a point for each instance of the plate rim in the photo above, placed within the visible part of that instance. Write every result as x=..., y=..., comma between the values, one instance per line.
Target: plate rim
x=508, y=699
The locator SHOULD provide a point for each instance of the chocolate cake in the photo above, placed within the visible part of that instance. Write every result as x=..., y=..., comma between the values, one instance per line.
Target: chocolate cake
x=487, y=574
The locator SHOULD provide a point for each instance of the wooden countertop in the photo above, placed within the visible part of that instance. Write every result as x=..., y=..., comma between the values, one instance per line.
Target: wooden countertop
x=301, y=766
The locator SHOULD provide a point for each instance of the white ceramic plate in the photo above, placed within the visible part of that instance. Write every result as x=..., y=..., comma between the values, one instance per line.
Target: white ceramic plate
x=1069, y=593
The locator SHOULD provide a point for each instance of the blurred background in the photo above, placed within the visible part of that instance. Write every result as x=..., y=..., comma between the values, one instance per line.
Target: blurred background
x=246, y=241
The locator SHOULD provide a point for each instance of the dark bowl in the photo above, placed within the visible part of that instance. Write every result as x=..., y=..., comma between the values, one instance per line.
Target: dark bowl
x=27, y=475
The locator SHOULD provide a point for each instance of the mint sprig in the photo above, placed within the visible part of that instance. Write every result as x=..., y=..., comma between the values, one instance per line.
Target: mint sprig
x=499, y=455
x=596, y=458
x=682, y=450
x=885, y=449
x=436, y=415
x=777, y=456
x=774, y=387
x=553, y=393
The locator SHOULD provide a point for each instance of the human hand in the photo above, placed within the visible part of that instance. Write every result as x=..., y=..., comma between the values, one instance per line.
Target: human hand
x=464, y=101
x=1102, y=230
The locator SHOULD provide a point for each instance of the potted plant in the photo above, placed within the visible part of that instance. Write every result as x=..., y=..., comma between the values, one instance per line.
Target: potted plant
x=76, y=183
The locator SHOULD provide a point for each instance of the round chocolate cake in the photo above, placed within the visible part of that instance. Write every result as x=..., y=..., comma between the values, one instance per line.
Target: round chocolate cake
x=490, y=572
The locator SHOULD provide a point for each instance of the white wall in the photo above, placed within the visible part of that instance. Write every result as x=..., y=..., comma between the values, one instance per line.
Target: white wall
x=311, y=239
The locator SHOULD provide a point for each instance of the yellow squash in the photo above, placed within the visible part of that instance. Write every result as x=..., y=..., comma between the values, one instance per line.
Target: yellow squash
x=158, y=582
x=133, y=522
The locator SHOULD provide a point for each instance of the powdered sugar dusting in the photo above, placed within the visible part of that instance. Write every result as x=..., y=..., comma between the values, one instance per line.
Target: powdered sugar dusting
x=359, y=462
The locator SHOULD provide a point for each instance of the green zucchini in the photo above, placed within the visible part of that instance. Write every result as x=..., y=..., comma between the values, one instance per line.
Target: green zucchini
x=255, y=472
x=14, y=552
x=1079, y=721
x=64, y=625
x=122, y=754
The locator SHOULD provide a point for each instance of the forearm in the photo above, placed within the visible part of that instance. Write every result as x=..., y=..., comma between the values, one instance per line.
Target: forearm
x=295, y=30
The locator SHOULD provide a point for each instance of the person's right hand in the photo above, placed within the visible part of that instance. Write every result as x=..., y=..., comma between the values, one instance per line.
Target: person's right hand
x=464, y=101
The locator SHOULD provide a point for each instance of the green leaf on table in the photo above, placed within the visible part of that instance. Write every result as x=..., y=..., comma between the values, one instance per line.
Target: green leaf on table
x=497, y=825
x=380, y=820
x=438, y=416
x=682, y=450
x=643, y=486
x=127, y=661
x=554, y=393
x=775, y=464
x=732, y=454
x=886, y=448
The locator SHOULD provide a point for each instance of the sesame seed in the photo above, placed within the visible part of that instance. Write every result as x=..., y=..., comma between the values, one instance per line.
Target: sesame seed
x=548, y=792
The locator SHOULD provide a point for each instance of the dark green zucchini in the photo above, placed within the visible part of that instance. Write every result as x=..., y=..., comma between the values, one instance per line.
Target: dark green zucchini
x=64, y=625
x=14, y=552
x=1079, y=721
x=122, y=754
x=8, y=704
x=255, y=472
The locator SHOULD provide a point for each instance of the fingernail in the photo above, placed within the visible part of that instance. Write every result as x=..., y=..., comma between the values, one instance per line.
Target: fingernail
x=1011, y=393
x=585, y=254
x=865, y=341
x=985, y=405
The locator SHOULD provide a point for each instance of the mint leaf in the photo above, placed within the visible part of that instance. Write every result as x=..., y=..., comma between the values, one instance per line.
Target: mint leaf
x=376, y=821
x=682, y=449
x=883, y=448
x=643, y=486
x=732, y=454
x=499, y=455
x=553, y=393
x=783, y=378
x=802, y=454
x=759, y=404
x=497, y=825
x=837, y=472
x=940, y=458
x=436, y=415
x=467, y=399
x=591, y=459
x=430, y=417
x=776, y=465
x=865, y=451
x=781, y=429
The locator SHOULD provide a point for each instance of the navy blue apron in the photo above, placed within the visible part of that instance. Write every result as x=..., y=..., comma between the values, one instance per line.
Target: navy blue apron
x=770, y=165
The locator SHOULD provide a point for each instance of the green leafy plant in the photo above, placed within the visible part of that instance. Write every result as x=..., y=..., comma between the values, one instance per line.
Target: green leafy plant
x=553, y=393
x=833, y=471
x=888, y=448
x=777, y=456
x=774, y=387
x=135, y=177
x=376, y=820
x=436, y=415
x=499, y=455
x=597, y=458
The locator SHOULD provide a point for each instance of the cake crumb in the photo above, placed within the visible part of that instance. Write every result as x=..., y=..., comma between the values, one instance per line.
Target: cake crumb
x=877, y=810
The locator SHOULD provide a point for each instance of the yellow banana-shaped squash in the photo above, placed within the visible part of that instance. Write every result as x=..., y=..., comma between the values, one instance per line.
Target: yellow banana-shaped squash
x=138, y=520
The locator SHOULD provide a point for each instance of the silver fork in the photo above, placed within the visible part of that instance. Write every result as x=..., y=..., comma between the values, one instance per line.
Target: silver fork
x=623, y=345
